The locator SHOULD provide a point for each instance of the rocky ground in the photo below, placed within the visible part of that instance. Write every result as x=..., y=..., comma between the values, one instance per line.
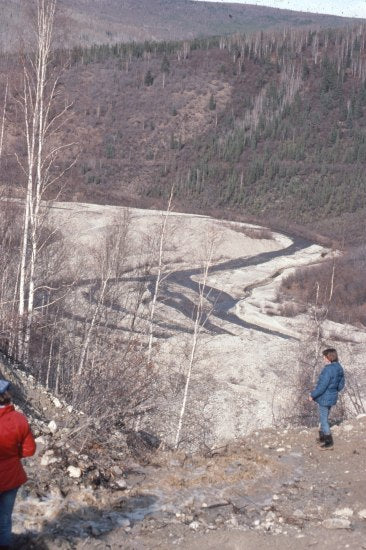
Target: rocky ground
x=273, y=489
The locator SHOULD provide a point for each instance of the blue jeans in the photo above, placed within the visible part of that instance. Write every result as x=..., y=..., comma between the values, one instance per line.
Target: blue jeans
x=7, y=500
x=323, y=417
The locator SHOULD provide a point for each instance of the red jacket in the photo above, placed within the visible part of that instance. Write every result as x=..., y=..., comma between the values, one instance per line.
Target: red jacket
x=16, y=442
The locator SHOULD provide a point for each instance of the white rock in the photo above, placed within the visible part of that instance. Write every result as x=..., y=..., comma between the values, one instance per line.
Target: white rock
x=194, y=525
x=275, y=497
x=280, y=450
x=337, y=523
x=74, y=472
x=124, y=522
x=343, y=512
x=359, y=416
x=70, y=408
x=57, y=403
x=362, y=514
x=40, y=440
x=46, y=460
x=347, y=428
x=52, y=426
x=121, y=483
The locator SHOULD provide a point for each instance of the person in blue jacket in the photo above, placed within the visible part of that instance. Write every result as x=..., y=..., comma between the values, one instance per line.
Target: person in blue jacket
x=330, y=383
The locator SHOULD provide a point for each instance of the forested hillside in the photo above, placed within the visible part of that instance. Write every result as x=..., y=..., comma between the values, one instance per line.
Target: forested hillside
x=271, y=125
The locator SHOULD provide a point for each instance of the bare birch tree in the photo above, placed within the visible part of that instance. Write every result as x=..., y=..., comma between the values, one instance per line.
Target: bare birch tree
x=3, y=119
x=43, y=120
x=160, y=272
x=199, y=323
x=110, y=256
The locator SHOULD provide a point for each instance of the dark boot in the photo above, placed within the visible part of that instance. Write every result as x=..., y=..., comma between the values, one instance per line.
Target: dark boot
x=321, y=437
x=328, y=443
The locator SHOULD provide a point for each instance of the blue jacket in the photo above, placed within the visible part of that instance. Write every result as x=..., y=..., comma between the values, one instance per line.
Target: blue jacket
x=330, y=382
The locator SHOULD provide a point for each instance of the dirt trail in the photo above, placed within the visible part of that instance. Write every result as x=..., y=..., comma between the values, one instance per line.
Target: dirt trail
x=275, y=490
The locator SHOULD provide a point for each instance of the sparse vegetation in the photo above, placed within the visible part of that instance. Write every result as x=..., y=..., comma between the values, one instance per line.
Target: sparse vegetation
x=344, y=298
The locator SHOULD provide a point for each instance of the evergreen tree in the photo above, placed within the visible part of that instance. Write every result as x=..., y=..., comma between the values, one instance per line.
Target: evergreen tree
x=212, y=103
x=149, y=79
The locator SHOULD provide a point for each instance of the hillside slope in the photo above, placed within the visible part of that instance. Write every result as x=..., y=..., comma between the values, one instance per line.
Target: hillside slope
x=271, y=125
x=90, y=21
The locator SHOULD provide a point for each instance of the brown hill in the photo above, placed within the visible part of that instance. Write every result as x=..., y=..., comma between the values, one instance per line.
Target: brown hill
x=271, y=124
x=93, y=21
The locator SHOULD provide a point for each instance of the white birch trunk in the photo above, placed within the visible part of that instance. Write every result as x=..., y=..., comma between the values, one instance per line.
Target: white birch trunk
x=159, y=274
x=196, y=332
x=36, y=103
x=2, y=129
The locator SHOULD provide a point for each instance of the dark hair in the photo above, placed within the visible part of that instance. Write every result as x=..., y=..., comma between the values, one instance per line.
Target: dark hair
x=5, y=398
x=331, y=355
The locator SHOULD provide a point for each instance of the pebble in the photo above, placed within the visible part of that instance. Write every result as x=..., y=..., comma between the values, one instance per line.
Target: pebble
x=48, y=459
x=194, y=525
x=124, y=522
x=116, y=470
x=121, y=483
x=74, y=471
x=362, y=514
x=52, y=426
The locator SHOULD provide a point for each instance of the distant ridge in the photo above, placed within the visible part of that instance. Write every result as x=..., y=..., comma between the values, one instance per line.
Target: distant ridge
x=108, y=21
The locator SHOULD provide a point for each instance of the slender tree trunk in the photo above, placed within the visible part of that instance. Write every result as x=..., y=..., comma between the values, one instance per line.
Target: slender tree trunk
x=159, y=273
x=2, y=128
x=93, y=321
x=196, y=332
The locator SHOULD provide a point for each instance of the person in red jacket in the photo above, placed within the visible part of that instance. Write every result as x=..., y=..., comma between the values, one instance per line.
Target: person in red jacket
x=16, y=442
